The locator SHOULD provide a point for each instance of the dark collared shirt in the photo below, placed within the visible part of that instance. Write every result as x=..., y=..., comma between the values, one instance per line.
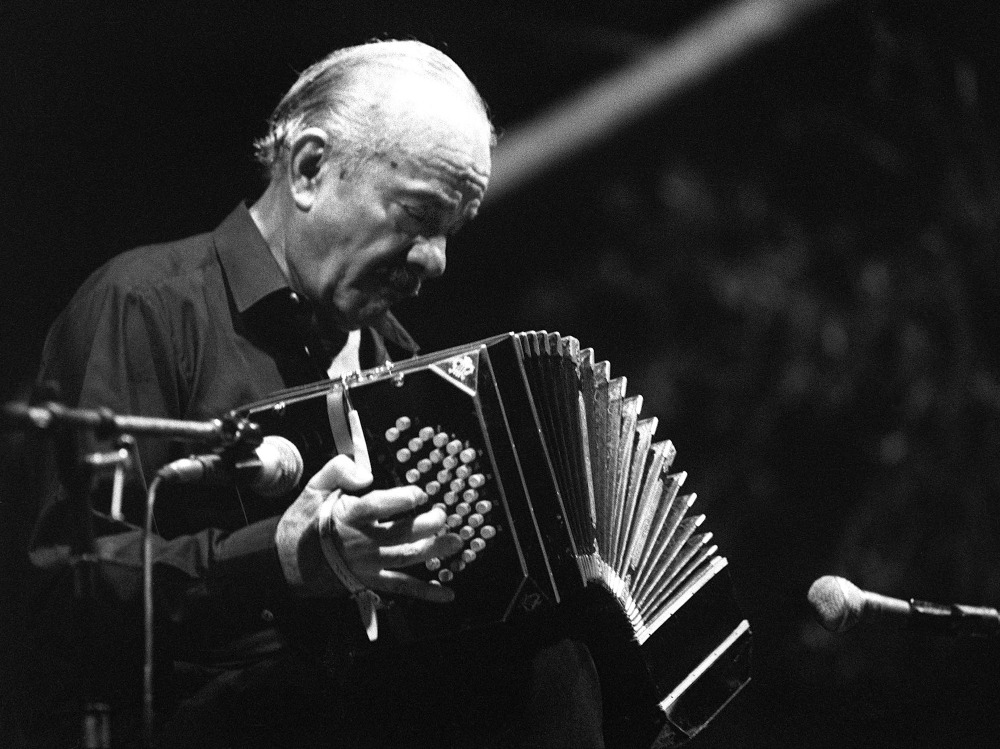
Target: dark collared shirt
x=190, y=330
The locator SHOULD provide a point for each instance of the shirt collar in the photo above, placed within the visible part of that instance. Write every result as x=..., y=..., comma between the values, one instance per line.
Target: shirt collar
x=250, y=268
x=253, y=273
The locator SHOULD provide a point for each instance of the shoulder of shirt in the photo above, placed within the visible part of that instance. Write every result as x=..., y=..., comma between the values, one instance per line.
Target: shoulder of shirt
x=156, y=265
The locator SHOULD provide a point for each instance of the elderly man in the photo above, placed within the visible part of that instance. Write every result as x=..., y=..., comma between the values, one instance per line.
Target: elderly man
x=375, y=156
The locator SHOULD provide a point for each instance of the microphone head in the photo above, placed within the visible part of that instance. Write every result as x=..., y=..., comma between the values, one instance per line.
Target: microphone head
x=281, y=467
x=837, y=603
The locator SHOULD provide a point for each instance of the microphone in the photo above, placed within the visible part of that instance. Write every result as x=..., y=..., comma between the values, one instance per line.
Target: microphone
x=272, y=469
x=839, y=605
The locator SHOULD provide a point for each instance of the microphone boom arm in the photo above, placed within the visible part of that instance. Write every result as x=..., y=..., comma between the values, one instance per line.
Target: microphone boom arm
x=226, y=431
x=954, y=619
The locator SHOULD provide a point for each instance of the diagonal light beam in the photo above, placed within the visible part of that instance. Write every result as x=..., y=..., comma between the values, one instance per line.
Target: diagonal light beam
x=612, y=102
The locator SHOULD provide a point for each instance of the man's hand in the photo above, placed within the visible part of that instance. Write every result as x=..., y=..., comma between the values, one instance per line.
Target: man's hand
x=372, y=545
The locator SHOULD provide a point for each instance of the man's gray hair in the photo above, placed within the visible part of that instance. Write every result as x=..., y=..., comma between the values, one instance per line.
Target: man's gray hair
x=327, y=96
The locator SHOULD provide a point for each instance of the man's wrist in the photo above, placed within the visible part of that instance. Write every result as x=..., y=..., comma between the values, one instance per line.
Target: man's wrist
x=302, y=561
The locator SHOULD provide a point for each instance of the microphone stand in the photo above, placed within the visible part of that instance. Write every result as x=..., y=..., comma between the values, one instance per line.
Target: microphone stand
x=76, y=472
x=85, y=569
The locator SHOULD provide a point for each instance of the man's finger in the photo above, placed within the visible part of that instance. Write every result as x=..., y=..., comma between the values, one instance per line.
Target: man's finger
x=398, y=583
x=382, y=504
x=415, y=552
x=408, y=529
x=340, y=473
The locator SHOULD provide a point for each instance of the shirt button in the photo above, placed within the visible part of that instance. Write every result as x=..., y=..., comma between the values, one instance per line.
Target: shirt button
x=267, y=616
x=294, y=297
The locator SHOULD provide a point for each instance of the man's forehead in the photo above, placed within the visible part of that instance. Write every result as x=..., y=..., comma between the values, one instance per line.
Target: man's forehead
x=448, y=180
x=456, y=160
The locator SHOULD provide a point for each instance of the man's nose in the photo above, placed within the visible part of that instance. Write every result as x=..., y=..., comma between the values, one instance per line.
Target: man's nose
x=428, y=256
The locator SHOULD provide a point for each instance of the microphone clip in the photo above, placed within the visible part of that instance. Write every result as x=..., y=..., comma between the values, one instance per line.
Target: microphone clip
x=239, y=433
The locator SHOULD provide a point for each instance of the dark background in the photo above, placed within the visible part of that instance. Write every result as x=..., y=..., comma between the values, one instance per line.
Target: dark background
x=795, y=261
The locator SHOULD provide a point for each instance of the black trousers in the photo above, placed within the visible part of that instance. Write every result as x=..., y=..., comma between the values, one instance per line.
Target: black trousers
x=511, y=690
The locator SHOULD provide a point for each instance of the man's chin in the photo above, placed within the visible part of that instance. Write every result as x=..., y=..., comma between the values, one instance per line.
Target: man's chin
x=370, y=313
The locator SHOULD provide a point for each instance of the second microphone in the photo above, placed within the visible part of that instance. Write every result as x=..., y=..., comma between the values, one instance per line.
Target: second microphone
x=273, y=468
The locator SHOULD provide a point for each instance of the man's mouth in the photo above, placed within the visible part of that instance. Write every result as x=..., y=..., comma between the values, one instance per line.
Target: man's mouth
x=397, y=282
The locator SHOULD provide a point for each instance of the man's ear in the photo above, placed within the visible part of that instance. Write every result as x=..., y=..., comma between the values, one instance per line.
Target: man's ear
x=306, y=160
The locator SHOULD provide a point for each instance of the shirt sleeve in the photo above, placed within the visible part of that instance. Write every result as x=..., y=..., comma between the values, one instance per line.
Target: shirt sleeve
x=115, y=348
x=119, y=348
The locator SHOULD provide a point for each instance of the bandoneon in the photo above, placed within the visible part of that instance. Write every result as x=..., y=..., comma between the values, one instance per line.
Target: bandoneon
x=563, y=497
